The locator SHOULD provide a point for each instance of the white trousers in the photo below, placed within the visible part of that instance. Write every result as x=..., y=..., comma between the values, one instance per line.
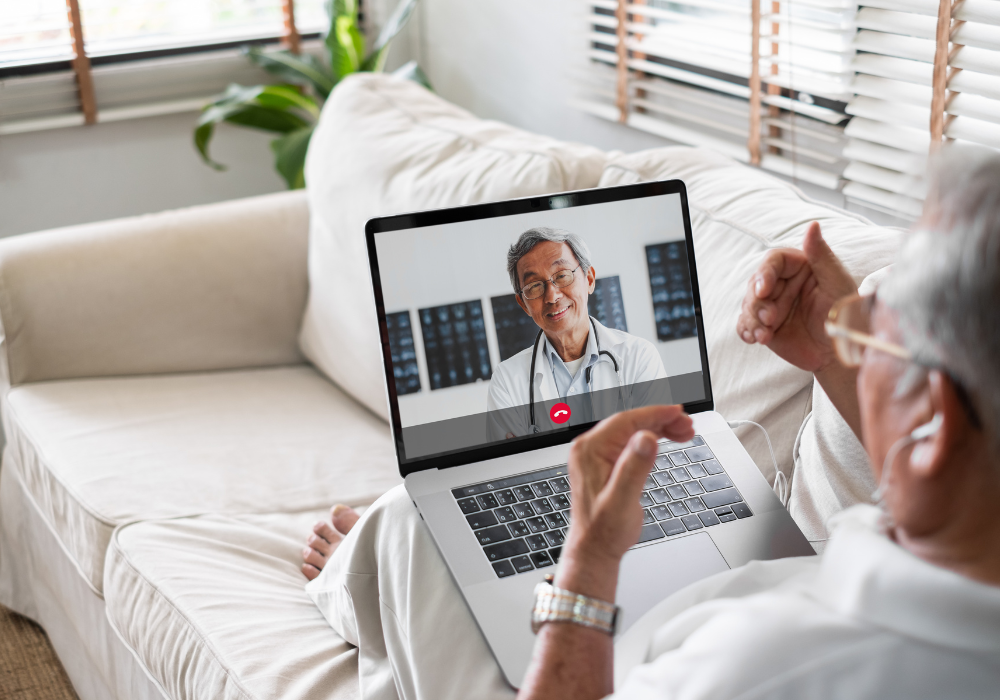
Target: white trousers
x=387, y=591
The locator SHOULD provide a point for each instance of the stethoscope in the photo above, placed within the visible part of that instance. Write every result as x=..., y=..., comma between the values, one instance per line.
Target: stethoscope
x=588, y=375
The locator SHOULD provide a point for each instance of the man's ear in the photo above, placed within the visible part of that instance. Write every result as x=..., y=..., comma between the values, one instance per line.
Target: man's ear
x=930, y=455
x=591, y=280
x=520, y=302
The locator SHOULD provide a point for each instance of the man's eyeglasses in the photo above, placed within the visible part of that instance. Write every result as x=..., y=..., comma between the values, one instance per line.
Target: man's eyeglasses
x=563, y=278
x=849, y=327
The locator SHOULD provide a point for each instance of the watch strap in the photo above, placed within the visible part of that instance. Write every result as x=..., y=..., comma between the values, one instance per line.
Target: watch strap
x=559, y=605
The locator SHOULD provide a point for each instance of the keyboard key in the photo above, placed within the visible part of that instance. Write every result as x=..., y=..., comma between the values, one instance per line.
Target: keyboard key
x=541, y=559
x=663, y=478
x=712, y=466
x=478, y=520
x=560, y=485
x=677, y=492
x=709, y=518
x=487, y=501
x=714, y=483
x=699, y=454
x=555, y=553
x=679, y=458
x=542, y=505
x=505, y=550
x=560, y=501
x=678, y=509
x=697, y=441
x=694, y=488
x=537, y=524
x=692, y=522
x=661, y=513
x=649, y=533
x=468, y=505
x=647, y=517
x=506, y=497
x=659, y=495
x=673, y=527
x=542, y=488
x=524, y=493
x=650, y=483
x=555, y=538
x=555, y=520
x=724, y=510
x=722, y=498
x=645, y=501
x=566, y=515
x=504, y=569
x=521, y=564
x=518, y=528
x=505, y=514
x=663, y=462
x=536, y=542
x=492, y=535
x=726, y=517
x=694, y=505
x=680, y=474
x=523, y=510
x=697, y=471
x=742, y=510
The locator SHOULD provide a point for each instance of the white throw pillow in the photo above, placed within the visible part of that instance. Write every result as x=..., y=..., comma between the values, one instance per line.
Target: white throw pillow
x=738, y=214
x=387, y=146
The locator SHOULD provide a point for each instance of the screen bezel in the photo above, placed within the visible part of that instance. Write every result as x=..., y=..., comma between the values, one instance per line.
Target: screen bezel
x=490, y=210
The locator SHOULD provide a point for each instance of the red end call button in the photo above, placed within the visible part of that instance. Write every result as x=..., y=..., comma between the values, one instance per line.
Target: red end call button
x=559, y=413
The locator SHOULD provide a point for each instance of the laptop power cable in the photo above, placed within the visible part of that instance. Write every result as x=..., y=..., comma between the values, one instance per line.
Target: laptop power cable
x=780, y=480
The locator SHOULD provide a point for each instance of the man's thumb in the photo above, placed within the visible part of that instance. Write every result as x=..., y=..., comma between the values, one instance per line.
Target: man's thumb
x=823, y=261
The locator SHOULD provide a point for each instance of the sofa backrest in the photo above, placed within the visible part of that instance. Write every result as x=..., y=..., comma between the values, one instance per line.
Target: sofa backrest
x=220, y=286
x=389, y=146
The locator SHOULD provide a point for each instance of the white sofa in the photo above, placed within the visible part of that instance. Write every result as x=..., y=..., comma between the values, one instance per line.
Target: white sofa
x=185, y=393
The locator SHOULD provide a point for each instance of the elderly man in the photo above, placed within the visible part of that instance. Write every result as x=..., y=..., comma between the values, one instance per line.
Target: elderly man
x=903, y=603
x=573, y=354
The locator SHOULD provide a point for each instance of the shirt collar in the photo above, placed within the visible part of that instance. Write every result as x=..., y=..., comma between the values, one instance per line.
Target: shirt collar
x=868, y=577
x=590, y=352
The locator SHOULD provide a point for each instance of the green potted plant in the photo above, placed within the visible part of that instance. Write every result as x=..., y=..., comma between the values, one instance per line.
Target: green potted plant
x=291, y=108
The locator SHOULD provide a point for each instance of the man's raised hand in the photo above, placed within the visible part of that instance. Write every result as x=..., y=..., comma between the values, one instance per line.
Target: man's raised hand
x=788, y=299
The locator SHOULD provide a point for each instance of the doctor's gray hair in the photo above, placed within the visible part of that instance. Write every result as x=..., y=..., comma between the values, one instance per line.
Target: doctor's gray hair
x=532, y=237
x=946, y=280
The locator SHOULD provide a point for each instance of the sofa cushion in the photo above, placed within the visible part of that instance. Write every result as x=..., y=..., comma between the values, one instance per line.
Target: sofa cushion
x=737, y=215
x=387, y=146
x=97, y=453
x=215, y=607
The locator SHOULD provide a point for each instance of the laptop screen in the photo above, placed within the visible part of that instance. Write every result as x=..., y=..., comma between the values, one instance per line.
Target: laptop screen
x=510, y=325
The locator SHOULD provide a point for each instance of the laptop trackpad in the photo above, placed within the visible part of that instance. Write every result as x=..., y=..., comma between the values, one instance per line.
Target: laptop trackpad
x=650, y=574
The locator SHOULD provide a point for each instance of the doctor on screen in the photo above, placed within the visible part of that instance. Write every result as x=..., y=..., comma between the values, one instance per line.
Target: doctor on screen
x=573, y=354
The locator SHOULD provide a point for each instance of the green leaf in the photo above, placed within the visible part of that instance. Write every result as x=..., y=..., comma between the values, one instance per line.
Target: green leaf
x=265, y=118
x=290, y=156
x=411, y=71
x=380, y=51
x=243, y=113
x=300, y=70
x=202, y=136
x=286, y=97
x=350, y=47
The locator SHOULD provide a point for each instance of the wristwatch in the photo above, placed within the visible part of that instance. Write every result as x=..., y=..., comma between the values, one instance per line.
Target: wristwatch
x=557, y=605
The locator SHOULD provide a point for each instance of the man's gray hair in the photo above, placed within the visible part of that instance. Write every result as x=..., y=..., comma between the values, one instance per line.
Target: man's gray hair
x=532, y=237
x=946, y=280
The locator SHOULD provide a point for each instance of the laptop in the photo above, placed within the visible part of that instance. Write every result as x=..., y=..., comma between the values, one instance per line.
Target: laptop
x=482, y=436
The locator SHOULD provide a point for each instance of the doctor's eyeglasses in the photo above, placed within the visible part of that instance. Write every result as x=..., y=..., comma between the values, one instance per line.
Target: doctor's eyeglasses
x=563, y=278
x=849, y=327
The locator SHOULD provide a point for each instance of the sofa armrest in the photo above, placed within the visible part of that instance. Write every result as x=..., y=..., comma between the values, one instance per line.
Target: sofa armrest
x=220, y=286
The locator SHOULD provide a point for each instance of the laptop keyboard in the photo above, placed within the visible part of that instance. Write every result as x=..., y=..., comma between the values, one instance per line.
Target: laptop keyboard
x=521, y=521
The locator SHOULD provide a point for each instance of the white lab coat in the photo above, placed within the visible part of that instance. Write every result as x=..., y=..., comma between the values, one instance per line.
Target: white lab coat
x=638, y=362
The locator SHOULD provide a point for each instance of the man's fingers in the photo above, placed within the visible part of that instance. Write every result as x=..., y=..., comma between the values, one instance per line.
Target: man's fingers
x=778, y=264
x=830, y=272
x=608, y=438
x=631, y=469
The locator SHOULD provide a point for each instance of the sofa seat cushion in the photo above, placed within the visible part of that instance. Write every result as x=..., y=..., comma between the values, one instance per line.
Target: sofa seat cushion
x=215, y=607
x=738, y=214
x=97, y=453
x=387, y=146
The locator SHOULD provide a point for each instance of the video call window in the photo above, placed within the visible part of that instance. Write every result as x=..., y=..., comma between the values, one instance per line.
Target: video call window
x=455, y=344
x=670, y=284
x=404, y=355
x=606, y=304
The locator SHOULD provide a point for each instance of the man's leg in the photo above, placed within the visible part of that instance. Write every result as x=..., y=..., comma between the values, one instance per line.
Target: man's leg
x=386, y=590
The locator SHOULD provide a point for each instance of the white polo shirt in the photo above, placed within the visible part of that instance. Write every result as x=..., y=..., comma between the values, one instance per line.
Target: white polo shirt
x=867, y=620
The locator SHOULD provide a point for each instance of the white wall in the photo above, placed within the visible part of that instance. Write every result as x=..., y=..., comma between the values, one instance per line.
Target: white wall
x=454, y=263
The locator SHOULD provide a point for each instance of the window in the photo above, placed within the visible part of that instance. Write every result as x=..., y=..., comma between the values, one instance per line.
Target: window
x=849, y=96
x=139, y=57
